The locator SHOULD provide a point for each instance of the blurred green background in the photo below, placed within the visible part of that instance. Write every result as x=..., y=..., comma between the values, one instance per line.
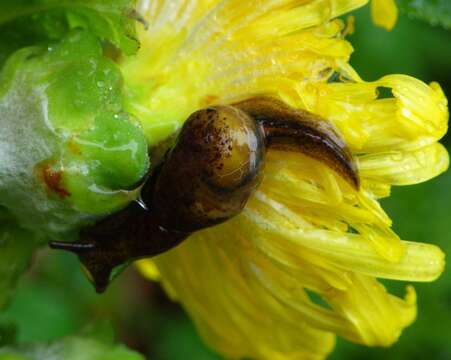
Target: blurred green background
x=54, y=299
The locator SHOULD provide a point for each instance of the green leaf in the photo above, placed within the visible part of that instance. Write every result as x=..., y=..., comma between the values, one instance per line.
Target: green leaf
x=100, y=330
x=29, y=30
x=436, y=12
x=16, y=246
x=69, y=151
x=8, y=333
x=31, y=21
x=70, y=348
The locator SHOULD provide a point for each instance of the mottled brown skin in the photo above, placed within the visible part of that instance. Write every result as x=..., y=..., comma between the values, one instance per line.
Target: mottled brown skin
x=206, y=178
x=212, y=170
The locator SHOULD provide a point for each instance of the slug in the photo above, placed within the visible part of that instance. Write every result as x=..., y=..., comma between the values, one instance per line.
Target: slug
x=205, y=178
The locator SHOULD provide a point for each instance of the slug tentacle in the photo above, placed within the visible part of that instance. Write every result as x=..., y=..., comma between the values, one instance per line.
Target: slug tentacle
x=205, y=178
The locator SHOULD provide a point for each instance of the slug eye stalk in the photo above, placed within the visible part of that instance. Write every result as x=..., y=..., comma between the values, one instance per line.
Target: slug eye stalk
x=206, y=178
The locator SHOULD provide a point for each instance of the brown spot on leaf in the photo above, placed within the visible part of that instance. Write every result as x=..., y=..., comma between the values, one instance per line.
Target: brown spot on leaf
x=52, y=178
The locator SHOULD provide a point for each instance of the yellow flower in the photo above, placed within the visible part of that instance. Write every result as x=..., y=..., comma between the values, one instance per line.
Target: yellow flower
x=247, y=283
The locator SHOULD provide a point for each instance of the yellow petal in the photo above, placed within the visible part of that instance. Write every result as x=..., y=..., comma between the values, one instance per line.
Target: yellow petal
x=377, y=316
x=405, y=167
x=148, y=269
x=384, y=13
x=414, y=115
x=236, y=315
x=351, y=252
x=224, y=51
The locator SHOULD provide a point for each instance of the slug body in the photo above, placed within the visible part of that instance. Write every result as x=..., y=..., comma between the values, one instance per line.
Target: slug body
x=211, y=171
x=206, y=178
